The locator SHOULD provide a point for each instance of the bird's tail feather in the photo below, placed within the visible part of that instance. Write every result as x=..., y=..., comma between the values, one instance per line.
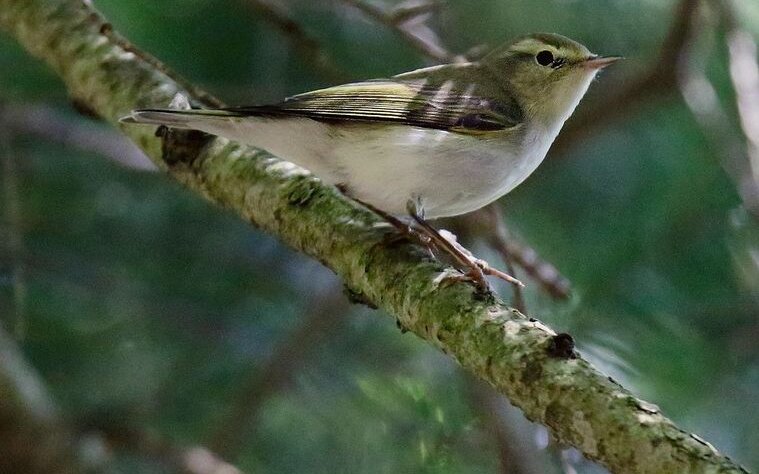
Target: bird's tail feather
x=185, y=119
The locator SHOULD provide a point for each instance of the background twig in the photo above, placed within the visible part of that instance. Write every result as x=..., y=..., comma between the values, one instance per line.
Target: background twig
x=12, y=231
x=323, y=311
x=517, y=453
x=45, y=122
x=180, y=459
x=489, y=225
x=547, y=276
x=409, y=21
x=308, y=48
x=744, y=74
x=28, y=417
x=738, y=157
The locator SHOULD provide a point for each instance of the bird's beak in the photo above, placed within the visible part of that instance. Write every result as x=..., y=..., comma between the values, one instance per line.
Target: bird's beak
x=599, y=62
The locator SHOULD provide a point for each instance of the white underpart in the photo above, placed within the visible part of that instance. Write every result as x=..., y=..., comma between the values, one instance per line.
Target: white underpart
x=447, y=173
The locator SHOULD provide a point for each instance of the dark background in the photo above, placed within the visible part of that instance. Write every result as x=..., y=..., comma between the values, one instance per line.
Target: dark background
x=150, y=313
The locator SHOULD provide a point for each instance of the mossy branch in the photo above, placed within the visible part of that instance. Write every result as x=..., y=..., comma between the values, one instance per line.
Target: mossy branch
x=522, y=358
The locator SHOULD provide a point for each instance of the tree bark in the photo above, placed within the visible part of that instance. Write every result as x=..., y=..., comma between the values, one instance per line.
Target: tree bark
x=522, y=358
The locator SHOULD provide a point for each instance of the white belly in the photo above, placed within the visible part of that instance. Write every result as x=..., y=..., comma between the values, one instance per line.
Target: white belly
x=448, y=173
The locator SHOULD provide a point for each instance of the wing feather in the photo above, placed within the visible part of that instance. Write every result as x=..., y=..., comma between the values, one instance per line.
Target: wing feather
x=411, y=103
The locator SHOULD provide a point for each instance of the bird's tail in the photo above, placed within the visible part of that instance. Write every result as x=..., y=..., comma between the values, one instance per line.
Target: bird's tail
x=194, y=119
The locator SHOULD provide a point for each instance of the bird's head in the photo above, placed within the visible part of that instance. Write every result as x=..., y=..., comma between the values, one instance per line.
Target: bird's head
x=547, y=73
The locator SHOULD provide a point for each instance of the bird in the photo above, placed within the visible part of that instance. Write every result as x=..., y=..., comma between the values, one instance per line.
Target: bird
x=435, y=142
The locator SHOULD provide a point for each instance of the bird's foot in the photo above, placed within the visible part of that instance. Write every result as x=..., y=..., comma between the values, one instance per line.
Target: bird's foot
x=404, y=231
x=473, y=276
x=473, y=269
x=477, y=268
x=446, y=242
x=494, y=272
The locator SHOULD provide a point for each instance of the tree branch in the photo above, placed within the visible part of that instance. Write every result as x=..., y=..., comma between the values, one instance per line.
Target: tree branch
x=409, y=21
x=522, y=358
x=49, y=124
x=12, y=230
x=516, y=452
x=323, y=311
x=123, y=435
x=489, y=224
x=33, y=439
x=744, y=74
x=308, y=47
x=738, y=155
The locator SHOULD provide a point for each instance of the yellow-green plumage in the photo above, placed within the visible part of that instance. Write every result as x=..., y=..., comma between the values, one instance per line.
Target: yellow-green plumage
x=452, y=138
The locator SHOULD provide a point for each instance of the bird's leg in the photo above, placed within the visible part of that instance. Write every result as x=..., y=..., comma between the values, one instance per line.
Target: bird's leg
x=429, y=237
x=405, y=231
x=474, y=272
x=476, y=268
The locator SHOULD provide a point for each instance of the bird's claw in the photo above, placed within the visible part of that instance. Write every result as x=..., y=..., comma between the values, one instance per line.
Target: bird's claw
x=488, y=270
x=474, y=269
x=406, y=235
x=474, y=264
x=475, y=278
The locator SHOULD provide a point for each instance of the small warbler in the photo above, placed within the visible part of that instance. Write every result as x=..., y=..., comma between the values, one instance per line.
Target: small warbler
x=434, y=142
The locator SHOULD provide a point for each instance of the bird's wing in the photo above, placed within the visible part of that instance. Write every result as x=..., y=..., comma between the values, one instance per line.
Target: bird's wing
x=409, y=103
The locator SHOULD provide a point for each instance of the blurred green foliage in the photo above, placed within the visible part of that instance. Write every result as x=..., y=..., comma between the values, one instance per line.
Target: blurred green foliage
x=144, y=303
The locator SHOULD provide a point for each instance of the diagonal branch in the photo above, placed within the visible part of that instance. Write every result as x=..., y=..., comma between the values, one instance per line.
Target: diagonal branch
x=744, y=74
x=33, y=438
x=308, y=47
x=323, y=312
x=125, y=436
x=45, y=122
x=739, y=155
x=11, y=230
x=489, y=225
x=409, y=21
x=516, y=452
x=522, y=358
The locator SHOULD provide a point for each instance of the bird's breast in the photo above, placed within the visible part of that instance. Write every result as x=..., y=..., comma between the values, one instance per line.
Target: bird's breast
x=450, y=173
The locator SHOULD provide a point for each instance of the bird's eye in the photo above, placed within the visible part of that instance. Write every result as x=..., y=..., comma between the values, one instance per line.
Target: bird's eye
x=544, y=58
